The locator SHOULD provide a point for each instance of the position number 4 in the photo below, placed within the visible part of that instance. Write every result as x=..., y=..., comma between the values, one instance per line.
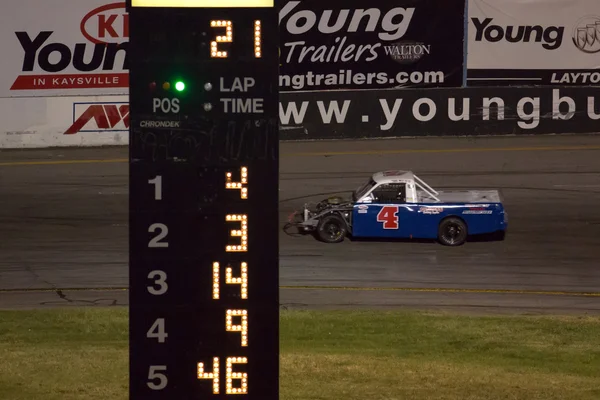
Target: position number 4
x=157, y=331
x=389, y=216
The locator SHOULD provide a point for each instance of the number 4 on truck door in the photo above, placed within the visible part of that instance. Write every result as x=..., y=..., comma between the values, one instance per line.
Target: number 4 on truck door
x=383, y=216
x=388, y=215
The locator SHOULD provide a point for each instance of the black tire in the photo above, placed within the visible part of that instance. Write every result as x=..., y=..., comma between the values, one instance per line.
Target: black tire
x=331, y=229
x=452, y=232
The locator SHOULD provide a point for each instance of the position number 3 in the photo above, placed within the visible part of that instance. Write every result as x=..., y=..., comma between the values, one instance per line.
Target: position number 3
x=389, y=216
x=160, y=279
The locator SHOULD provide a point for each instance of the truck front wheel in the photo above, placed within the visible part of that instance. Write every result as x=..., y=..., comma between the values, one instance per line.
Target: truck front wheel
x=331, y=229
x=452, y=232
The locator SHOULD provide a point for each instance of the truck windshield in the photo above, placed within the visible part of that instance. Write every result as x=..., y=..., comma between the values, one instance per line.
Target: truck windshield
x=363, y=189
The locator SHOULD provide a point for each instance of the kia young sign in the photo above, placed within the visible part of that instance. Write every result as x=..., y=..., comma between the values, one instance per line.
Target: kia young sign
x=328, y=45
x=61, y=47
x=537, y=42
x=438, y=112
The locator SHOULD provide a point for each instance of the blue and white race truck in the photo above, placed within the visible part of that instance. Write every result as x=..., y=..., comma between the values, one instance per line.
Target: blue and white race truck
x=398, y=204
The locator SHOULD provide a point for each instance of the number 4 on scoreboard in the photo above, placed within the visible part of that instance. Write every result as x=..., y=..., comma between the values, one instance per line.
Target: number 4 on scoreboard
x=389, y=216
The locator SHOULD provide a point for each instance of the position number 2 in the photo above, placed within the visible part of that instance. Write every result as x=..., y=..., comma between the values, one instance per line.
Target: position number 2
x=389, y=216
x=156, y=241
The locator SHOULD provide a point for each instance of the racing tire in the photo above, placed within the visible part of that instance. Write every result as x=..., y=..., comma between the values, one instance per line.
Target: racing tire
x=331, y=229
x=452, y=232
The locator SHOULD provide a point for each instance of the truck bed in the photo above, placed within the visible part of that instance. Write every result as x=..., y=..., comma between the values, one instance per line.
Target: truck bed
x=462, y=196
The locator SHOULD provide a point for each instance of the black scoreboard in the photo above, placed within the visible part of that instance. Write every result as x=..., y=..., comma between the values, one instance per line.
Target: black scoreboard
x=204, y=166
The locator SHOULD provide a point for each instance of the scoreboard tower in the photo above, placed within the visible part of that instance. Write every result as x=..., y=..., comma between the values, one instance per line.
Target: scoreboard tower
x=204, y=166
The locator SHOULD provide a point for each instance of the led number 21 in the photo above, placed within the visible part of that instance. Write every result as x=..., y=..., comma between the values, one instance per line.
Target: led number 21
x=215, y=52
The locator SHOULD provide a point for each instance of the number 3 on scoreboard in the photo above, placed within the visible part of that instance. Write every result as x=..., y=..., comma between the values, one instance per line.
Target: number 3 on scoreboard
x=389, y=216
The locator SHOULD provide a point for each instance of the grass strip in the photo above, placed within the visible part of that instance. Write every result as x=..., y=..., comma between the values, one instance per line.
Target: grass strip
x=71, y=354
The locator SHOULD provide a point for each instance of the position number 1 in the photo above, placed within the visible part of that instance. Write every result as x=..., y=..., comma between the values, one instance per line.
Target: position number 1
x=157, y=182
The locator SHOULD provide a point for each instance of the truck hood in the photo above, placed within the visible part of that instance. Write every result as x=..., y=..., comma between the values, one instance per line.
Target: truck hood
x=333, y=202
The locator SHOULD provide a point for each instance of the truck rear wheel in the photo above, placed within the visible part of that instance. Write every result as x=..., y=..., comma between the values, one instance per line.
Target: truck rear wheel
x=331, y=229
x=452, y=232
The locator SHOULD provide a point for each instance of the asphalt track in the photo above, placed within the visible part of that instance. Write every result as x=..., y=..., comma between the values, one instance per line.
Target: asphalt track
x=64, y=236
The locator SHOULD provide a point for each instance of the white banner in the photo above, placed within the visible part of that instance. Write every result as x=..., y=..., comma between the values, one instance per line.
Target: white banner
x=63, y=48
x=64, y=121
x=533, y=42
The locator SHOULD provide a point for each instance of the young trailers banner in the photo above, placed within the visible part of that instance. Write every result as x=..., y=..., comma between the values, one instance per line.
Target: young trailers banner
x=439, y=112
x=353, y=44
x=533, y=42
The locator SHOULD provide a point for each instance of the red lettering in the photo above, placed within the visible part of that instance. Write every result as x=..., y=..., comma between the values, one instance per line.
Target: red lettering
x=105, y=116
x=105, y=25
x=389, y=216
x=112, y=114
x=124, y=111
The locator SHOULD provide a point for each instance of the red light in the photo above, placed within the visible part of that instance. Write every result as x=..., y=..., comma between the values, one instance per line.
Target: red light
x=152, y=85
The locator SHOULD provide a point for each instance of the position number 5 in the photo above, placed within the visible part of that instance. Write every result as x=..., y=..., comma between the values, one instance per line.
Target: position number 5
x=157, y=380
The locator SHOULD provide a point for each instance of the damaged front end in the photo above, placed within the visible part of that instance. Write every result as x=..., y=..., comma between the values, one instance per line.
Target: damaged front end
x=307, y=219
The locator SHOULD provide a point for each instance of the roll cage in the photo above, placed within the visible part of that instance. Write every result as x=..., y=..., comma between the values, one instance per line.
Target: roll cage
x=364, y=194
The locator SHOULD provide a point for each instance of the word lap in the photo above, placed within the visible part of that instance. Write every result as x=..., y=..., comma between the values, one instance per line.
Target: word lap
x=204, y=159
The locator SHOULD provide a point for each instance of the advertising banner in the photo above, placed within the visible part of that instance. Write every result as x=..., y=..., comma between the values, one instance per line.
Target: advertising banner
x=104, y=120
x=79, y=48
x=439, y=112
x=534, y=42
x=379, y=44
x=64, y=121
x=63, y=47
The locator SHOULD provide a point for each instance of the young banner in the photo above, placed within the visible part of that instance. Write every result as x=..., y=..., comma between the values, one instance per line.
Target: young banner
x=439, y=112
x=534, y=42
x=350, y=44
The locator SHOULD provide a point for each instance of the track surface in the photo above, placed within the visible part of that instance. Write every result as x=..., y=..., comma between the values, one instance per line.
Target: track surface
x=64, y=225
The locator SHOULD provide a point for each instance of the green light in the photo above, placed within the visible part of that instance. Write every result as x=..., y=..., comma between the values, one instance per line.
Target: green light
x=179, y=86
